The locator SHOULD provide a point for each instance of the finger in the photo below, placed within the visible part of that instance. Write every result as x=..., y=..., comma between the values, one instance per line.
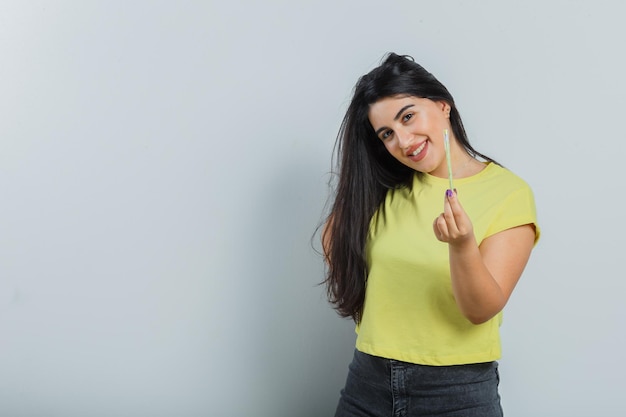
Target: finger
x=448, y=214
x=462, y=221
x=440, y=228
x=436, y=229
x=456, y=209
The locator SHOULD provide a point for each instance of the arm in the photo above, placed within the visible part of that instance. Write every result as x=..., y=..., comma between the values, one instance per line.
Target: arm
x=483, y=277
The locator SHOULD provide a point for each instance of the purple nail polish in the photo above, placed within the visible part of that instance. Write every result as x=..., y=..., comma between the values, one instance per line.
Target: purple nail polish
x=449, y=193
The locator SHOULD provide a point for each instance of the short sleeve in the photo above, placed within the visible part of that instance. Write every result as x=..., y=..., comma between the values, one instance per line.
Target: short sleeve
x=517, y=209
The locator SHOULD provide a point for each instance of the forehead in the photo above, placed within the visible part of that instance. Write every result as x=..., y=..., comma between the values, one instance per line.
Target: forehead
x=385, y=110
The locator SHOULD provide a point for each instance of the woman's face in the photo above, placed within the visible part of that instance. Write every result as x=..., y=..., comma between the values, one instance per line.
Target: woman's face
x=411, y=128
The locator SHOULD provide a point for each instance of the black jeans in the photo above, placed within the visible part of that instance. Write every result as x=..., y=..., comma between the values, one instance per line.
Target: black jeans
x=378, y=387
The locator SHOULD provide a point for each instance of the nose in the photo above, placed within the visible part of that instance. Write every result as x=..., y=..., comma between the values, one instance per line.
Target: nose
x=404, y=138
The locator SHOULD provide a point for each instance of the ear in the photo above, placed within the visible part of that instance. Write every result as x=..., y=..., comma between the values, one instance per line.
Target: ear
x=445, y=108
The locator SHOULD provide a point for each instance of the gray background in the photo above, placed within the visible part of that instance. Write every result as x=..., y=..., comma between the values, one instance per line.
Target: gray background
x=163, y=166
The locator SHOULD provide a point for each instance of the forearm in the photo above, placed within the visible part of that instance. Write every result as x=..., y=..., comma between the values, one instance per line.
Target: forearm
x=477, y=293
x=484, y=277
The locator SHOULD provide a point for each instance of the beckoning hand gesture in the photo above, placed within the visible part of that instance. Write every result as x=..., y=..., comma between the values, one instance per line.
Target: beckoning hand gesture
x=453, y=226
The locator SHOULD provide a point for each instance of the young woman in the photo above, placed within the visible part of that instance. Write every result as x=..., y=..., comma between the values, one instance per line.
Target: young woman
x=423, y=270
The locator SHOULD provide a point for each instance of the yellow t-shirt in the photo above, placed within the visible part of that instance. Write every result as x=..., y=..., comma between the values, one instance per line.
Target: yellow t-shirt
x=410, y=313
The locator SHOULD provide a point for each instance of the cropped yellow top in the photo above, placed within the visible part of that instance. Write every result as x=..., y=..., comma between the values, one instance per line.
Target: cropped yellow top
x=410, y=313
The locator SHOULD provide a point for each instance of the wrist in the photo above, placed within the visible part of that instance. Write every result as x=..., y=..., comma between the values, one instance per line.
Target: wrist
x=465, y=244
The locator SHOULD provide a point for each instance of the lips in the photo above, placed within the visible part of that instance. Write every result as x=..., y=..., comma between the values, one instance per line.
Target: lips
x=417, y=152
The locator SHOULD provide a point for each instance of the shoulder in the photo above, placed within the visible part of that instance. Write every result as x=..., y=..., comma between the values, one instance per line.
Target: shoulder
x=499, y=182
x=510, y=199
x=504, y=176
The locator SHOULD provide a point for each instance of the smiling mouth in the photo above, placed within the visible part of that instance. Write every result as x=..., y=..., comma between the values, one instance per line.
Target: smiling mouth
x=417, y=150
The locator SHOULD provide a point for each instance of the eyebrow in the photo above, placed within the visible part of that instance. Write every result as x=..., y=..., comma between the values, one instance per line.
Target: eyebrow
x=396, y=117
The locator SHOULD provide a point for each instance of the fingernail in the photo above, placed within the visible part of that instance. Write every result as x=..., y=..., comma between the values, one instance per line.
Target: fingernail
x=449, y=193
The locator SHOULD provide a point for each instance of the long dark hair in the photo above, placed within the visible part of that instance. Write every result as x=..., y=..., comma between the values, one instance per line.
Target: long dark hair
x=367, y=171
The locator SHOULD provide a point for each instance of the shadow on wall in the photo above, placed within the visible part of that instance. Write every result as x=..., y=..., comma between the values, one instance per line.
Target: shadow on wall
x=301, y=348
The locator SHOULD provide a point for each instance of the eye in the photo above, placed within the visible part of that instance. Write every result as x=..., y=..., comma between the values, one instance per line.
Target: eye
x=407, y=117
x=386, y=134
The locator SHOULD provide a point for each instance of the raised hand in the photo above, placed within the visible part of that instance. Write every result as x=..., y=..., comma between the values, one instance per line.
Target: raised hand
x=453, y=226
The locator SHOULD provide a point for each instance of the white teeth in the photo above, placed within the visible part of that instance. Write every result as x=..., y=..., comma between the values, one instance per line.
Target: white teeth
x=418, y=150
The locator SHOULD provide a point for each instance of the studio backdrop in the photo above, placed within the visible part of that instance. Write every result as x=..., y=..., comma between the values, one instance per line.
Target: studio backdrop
x=164, y=166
